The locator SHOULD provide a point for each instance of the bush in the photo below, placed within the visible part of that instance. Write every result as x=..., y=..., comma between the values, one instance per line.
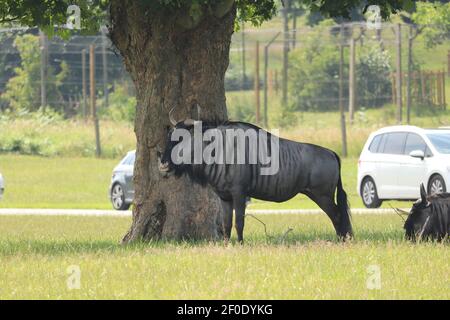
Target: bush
x=122, y=106
x=313, y=77
x=372, y=73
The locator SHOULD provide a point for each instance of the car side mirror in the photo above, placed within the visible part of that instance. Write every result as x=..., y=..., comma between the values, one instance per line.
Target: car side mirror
x=417, y=154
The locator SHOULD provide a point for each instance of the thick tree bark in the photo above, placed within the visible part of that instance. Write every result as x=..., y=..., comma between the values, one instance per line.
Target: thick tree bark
x=174, y=61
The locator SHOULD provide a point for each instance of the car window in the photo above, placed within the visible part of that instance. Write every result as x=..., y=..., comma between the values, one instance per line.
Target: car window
x=414, y=142
x=375, y=143
x=441, y=142
x=428, y=153
x=395, y=143
x=131, y=159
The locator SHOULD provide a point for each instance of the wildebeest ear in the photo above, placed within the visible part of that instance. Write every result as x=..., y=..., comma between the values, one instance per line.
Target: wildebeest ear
x=423, y=194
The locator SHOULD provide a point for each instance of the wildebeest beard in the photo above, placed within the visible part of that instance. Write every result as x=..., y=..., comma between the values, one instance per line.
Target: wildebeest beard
x=429, y=218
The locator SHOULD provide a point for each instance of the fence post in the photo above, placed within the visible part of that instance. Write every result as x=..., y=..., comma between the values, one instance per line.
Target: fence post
x=351, y=79
x=448, y=63
x=399, y=73
x=266, y=65
x=44, y=66
x=98, y=150
x=105, y=68
x=83, y=79
x=285, y=52
x=257, y=82
x=408, y=79
x=244, y=75
x=341, y=93
x=443, y=90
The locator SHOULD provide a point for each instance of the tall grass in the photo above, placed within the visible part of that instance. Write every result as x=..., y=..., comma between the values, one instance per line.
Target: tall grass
x=58, y=137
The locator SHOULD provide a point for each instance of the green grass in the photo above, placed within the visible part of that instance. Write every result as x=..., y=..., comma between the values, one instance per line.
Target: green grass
x=64, y=138
x=38, y=182
x=36, y=252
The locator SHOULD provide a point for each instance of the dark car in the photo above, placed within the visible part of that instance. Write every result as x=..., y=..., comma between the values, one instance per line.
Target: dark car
x=121, y=190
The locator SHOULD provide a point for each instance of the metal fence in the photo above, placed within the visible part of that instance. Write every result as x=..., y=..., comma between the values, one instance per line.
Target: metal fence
x=347, y=66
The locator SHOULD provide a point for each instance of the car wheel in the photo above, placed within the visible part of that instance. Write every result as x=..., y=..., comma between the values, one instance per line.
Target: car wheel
x=436, y=185
x=369, y=194
x=118, y=198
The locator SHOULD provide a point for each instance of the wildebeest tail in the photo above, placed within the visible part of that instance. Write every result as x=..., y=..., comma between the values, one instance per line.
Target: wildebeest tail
x=345, y=226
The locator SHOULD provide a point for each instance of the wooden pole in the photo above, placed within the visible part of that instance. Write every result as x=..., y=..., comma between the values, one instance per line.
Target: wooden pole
x=448, y=63
x=351, y=81
x=257, y=82
x=105, y=69
x=285, y=53
x=44, y=73
x=443, y=90
x=341, y=94
x=439, y=88
x=84, y=85
x=399, y=73
x=408, y=79
x=98, y=150
x=266, y=66
x=422, y=85
x=270, y=83
x=394, y=99
x=244, y=75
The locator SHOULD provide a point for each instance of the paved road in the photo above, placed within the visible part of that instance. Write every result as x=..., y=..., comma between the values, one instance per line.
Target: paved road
x=113, y=213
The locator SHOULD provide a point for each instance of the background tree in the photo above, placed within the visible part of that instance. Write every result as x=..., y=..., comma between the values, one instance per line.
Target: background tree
x=176, y=52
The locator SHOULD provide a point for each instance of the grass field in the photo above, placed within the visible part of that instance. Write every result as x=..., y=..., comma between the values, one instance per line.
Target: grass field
x=39, y=182
x=36, y=254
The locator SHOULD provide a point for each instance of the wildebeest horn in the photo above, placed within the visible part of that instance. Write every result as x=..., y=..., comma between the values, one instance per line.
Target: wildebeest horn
x=199, y=111
x=172, y=120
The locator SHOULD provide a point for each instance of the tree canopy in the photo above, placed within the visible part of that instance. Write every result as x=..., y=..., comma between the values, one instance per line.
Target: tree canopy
x=50, y=13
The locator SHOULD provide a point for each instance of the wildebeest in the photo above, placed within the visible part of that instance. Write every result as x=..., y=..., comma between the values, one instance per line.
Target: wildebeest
x=302, y=168
x=429, y=218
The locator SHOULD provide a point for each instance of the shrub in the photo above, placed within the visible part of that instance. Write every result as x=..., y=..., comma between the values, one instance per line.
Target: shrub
x=372, y=73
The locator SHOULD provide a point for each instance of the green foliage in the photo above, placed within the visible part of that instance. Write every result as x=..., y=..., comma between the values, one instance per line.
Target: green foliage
x=47, y=14
x=313, y=75
x=436, y=17
x=372, y=71
x=122, y=106
x=23, y=90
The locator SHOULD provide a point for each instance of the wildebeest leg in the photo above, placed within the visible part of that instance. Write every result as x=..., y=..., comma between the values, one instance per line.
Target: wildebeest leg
x=227, y=218
x=239, y=210
x=326, y=203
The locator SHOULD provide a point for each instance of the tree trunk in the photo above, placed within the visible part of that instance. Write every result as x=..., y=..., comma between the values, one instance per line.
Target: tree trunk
x=174, y=61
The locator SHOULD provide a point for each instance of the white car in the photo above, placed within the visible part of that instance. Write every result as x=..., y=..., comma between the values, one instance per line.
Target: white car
x=396, y=160
x=2, y=186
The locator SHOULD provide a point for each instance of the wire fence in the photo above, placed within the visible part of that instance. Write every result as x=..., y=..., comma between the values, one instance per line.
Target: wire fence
x=305, y=69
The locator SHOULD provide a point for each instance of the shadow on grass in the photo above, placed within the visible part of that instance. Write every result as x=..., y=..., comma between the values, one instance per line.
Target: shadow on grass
x=62, y=247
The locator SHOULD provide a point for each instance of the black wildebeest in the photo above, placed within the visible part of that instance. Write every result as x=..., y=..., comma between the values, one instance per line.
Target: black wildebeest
x=302, y=168
x=429, y=218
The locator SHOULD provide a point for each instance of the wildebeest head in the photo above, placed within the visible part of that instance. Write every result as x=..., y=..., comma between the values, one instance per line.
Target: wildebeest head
x=166, y=163
x=429, y=217
x=418, y=219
